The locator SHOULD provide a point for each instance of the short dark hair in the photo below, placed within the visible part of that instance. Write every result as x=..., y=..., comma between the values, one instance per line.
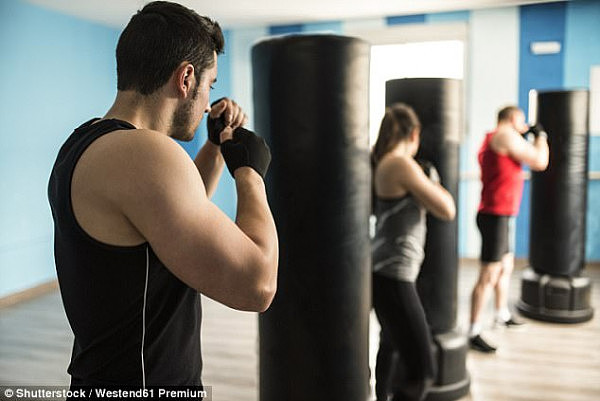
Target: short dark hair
x=506, y=113
x=160, y=37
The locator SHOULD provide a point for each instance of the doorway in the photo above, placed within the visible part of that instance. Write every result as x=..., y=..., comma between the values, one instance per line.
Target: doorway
x=431, y=59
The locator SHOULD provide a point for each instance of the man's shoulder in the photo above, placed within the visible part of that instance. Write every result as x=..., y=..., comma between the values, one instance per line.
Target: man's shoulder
x=134, y=146
x=130, y=157
x=146, y=139
x=502, y=140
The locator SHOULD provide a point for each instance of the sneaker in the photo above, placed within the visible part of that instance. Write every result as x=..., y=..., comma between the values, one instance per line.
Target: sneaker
x=479, y=344
x=514, y=322
x=511, y=322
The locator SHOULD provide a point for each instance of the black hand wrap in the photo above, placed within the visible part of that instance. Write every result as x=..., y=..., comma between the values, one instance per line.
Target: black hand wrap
x=537, y=130
x=246, y=149
x=215, y=125
x=429, y=170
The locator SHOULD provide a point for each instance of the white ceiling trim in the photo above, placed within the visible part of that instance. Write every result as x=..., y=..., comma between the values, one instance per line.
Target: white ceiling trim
x=236, y=13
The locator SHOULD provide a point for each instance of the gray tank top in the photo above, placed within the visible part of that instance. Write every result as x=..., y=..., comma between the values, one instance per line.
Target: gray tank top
x=399, y=238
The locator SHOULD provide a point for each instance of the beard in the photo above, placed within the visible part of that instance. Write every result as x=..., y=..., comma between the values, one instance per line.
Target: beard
x=181, y=128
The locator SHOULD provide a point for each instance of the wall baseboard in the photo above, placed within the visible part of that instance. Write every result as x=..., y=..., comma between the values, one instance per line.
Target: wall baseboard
x=519, y=262
x=524, y=262
x=50, y=286
x=28, y=294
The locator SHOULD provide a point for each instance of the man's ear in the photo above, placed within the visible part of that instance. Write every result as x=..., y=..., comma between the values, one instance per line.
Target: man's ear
x=184, y=79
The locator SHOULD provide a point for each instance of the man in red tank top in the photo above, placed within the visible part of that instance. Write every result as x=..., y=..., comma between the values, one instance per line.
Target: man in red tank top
x=500, y=157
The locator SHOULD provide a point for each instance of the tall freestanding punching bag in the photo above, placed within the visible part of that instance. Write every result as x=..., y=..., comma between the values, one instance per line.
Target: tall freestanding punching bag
x=311, y=105
x=438, y=103
x=553, y=288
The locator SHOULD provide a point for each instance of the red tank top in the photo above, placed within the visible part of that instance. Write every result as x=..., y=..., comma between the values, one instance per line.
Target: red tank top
x=502, y=179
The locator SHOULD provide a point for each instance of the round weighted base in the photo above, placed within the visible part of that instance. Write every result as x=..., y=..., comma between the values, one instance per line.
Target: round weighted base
x=555, y=299
x=453, y=380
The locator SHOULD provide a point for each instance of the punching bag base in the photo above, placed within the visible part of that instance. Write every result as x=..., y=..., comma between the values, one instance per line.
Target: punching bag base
x=555, y=299
x=453, y=380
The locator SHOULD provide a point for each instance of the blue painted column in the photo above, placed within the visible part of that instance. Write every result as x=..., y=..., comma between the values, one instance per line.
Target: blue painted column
x=538, y=23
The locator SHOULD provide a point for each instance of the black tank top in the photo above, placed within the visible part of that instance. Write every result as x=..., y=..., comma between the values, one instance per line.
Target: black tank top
x=134, y=322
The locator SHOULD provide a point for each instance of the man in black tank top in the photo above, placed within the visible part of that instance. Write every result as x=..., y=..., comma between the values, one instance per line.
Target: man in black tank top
x=136, y=235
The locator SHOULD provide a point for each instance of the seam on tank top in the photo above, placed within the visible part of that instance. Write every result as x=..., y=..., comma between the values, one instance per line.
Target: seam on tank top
x=144, y=318
x=377, y=243
x=71, y=211
x=388, y=213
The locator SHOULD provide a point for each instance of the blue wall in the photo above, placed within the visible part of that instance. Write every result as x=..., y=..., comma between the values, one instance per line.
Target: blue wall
x=544, y=22
x=330, y=27
x=540, y=22
x=575, y=25
x=405, y=19
x=582, y=42
x=285, y=29
x=454, y=16
x=56, y=72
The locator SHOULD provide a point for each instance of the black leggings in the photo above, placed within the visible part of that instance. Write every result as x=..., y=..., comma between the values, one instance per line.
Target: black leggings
x=405, y=366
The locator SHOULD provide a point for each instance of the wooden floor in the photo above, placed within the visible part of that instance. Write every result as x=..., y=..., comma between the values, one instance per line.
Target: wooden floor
x=541, y=361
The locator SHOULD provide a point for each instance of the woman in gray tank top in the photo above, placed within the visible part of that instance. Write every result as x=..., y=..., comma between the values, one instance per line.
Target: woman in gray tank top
x=403, y=191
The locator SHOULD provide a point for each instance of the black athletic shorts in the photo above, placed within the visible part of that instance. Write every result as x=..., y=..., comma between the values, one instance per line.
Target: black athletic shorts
x=497, y=236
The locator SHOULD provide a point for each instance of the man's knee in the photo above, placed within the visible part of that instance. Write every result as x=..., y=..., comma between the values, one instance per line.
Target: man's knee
x=489, y=274
x=508, y=262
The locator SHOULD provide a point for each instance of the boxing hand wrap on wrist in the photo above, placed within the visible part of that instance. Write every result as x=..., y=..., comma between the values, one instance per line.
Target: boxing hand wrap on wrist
x=429, y=170
x=537, y=130
x=215, y=125
x=246, y=149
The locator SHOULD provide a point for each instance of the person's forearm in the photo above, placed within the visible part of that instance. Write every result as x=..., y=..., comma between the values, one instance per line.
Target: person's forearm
x=255, y=220
x=209, y=162
x=541, y=146
x=253, y=216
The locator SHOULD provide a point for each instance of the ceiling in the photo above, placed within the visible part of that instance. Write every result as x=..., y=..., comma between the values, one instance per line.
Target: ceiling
x=238, y=13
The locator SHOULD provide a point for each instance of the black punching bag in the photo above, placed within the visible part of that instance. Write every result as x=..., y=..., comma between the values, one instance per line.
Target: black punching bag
x=438, y=103
x=311, y=105
x=553, y=289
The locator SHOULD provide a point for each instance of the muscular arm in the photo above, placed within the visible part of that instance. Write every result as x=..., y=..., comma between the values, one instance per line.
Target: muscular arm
x=534, y=155
x=255, y=219
x=163, y=196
